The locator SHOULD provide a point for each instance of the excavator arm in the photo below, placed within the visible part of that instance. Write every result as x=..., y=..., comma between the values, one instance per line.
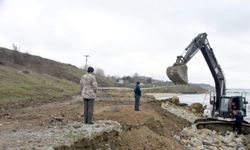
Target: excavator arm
x=192, y=48
x=178, y=72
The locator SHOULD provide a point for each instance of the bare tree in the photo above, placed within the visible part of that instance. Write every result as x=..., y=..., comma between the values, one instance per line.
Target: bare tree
x=14, y=47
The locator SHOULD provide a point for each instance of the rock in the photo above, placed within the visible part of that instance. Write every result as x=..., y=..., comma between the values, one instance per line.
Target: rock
x=208, y=142
x=206, y=132
x=193, y=128
x=246, y=139
x=228, y=138
x=183, y=105
x=25, y=71
x=231, y=144
x=212, y=148
x=218, y=141
x=58, y=118
x=184, y=142
x=248, y=146
x=175, y=100
x=193, y=110
x=178, y=138
x=186, y=133
x=189, y=147
x=62, y=114
x=76, y=126
x=195, y=142
x=241, y=148
x=238, y=140
x=50, y=148
x=196, y=108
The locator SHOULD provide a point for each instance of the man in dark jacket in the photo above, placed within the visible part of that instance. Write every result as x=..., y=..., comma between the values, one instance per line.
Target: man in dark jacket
x=137, y=95
x=238, y=122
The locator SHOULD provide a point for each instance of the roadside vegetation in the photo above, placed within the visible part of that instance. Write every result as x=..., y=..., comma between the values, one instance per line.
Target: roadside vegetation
x=20, y=88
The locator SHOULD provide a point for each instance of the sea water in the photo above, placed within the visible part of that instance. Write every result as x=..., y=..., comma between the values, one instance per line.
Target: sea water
x=205, y=98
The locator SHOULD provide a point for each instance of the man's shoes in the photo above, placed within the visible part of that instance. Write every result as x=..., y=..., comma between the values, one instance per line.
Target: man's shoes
x=89, y=123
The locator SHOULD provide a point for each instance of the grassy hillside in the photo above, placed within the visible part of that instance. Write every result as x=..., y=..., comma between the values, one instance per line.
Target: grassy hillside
x=18, y=88
x=26, y=79
x=41, y=65
x=38, y=64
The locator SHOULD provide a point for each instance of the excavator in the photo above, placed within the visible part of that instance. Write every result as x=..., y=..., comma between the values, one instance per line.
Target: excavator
x=222, y=104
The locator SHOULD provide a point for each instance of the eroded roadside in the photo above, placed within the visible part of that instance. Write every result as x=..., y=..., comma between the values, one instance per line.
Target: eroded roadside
x=38, y=126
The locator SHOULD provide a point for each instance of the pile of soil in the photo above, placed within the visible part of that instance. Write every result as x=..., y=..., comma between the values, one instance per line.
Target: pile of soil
x=150, y=128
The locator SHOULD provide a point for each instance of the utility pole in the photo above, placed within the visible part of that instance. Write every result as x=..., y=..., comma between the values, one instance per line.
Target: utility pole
x=86, y=62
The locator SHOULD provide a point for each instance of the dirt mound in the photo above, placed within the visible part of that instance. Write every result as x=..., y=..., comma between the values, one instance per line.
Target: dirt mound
x=150, y=128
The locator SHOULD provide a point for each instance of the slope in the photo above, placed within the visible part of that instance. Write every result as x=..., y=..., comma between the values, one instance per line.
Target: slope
x=25, y=61
x=21, y=88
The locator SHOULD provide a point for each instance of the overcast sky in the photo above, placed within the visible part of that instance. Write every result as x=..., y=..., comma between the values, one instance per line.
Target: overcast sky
x=124, y=37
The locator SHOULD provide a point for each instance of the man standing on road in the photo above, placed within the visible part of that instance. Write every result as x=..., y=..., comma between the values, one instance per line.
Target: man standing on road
x=88, y=89
x=137, y=95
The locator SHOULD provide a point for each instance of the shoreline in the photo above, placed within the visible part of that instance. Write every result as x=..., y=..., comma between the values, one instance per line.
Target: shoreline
x=162, y=96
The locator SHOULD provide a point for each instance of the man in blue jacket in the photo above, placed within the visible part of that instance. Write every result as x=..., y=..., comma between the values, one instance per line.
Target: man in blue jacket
x=238, y=122
x=137, y=95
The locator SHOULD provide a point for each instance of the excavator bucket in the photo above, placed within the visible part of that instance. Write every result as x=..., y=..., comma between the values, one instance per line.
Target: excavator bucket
x=178, y=74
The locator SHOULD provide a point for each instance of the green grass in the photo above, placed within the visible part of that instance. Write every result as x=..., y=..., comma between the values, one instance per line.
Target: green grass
x=18, y=88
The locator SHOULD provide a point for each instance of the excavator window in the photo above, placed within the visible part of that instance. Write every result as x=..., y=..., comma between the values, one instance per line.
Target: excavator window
x=224, y=105
x=235, y=103
x=229, y=105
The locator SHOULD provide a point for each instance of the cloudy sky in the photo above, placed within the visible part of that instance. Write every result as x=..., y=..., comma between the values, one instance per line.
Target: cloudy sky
x=124, y=37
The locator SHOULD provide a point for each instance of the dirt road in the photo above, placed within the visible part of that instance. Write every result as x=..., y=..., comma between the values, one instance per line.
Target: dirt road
x=150, y=128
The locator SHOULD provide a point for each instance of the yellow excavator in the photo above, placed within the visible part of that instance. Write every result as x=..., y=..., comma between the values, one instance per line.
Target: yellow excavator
x=222, y=110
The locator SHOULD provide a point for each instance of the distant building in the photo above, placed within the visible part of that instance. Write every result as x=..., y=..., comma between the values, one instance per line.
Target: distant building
x=120, y=81
x=143, y=79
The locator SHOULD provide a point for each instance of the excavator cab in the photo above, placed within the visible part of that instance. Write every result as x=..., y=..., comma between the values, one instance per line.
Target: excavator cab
x=230, y=105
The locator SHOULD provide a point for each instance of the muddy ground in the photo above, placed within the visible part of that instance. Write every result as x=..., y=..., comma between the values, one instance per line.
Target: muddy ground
x=150, y=128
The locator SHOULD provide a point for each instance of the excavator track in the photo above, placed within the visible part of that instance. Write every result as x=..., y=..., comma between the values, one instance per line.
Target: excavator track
x=220, y=125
